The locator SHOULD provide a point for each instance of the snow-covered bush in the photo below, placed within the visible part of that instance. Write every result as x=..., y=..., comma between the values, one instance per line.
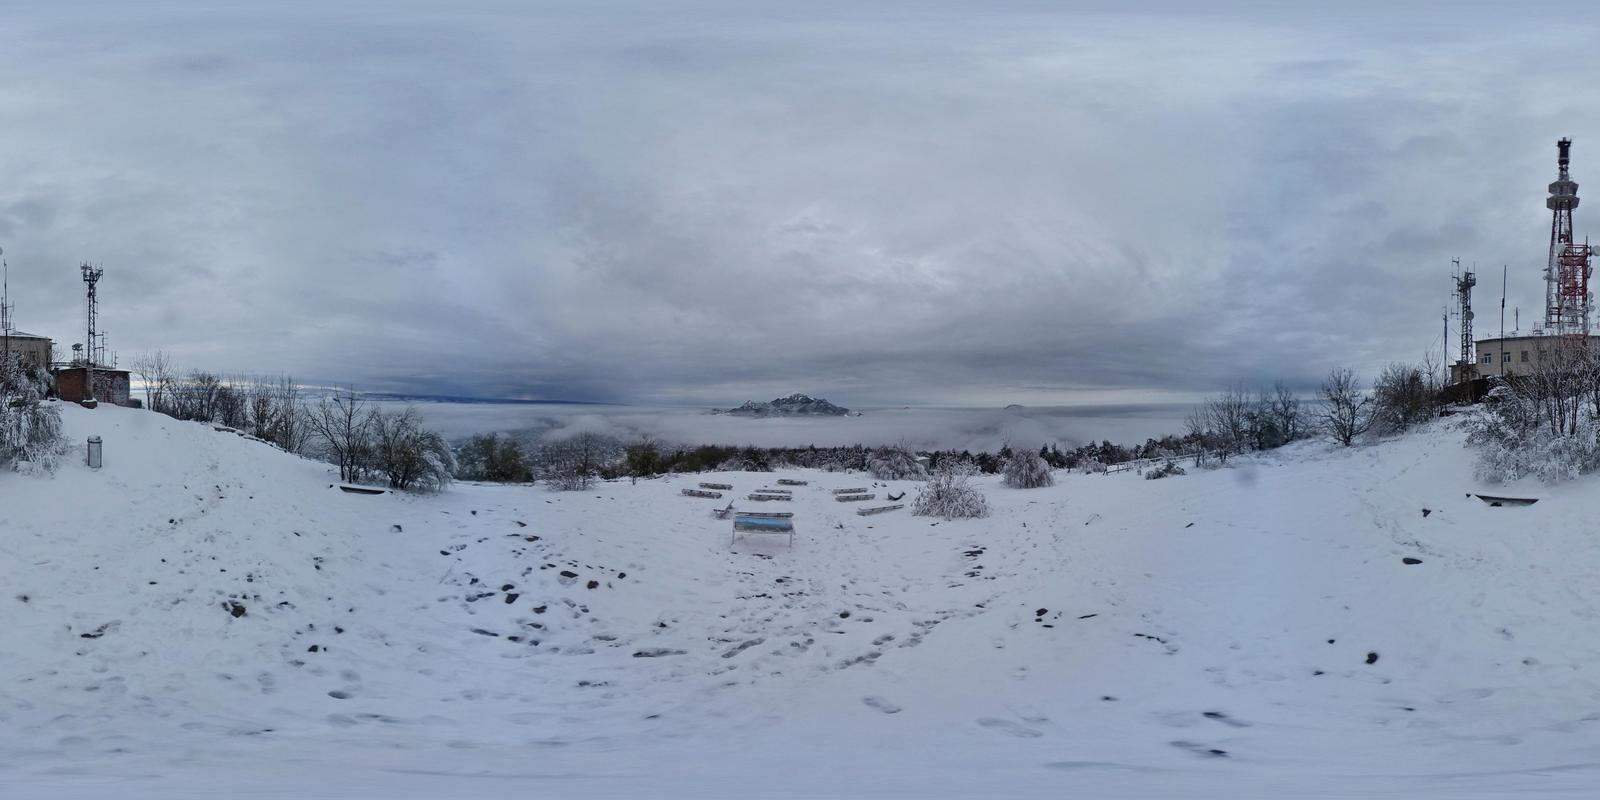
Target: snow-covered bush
x=949, y=494
x=30, y=429
x=895, y=464
x=1543, y=422
x=1514, y=438
x=572, y=463
x=1169, y=468
x=1024, y=469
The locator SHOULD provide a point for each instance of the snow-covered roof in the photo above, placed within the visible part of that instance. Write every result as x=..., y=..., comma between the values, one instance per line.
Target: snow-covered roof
x=25, y=335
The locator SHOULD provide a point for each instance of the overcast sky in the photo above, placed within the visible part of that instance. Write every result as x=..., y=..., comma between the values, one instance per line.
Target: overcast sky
x=661, y=202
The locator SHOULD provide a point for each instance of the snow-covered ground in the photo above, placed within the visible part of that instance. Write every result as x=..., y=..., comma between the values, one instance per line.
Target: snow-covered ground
x=1203, y=636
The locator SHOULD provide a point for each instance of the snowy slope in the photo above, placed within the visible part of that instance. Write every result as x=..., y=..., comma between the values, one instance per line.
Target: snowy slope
x=1204, y=635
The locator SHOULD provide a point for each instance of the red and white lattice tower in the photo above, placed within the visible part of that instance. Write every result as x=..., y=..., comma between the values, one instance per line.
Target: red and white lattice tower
x=1567, y=299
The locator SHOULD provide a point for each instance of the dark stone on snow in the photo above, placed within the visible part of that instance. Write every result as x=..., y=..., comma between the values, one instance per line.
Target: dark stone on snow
x=482, y=632
x=313, y=649
x=539, y=609
x=339, y=694
x=234, y=608
x=844, y=615
x=507, y=587
x=621, y=575
x=594, y=584
x=567, y=573
x=1372, y=658
x=656, y=652
x=520, y=523
x=1041, y=612
x=1426, y=512
x=395, y=528
x=511, y=597
x=1410, y=560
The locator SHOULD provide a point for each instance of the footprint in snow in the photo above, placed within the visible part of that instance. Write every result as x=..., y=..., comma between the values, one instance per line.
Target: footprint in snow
x=1200, y=749
x=1009, y=728
x=881, y=704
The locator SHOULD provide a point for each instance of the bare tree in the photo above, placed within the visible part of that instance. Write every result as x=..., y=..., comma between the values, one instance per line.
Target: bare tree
x=1403, y=396
x=342, y=425
x=261, y=403
x=1228, y=419
x=1346, y=412
x=409, y=456
x=157, y=374
x=289, y=416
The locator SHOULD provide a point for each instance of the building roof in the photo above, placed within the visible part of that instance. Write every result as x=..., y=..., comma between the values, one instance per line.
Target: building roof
x=25, y=335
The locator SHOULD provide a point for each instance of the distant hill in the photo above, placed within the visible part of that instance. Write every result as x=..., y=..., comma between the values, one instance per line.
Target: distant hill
x=795, y=405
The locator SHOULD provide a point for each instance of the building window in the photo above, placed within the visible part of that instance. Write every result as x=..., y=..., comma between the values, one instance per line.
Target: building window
x=1524, y=356
x=1486, y=358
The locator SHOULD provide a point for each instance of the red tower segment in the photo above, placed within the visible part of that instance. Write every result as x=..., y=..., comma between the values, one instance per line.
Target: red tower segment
x=1567, y=300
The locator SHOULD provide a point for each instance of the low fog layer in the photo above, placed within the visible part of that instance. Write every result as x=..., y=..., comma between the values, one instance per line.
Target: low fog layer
x=923, y=428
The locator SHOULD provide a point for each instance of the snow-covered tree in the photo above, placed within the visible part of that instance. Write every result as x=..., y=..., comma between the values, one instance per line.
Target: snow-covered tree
x=949, y=494
x=1024, y=469
x=895, y=464
x=30, y=429
x=573, y=462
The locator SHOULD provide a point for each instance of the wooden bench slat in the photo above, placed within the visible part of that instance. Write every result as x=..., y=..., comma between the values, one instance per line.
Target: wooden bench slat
x=867, y=512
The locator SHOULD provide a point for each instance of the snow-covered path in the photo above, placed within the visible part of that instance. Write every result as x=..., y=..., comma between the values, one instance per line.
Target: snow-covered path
x=1205, y=635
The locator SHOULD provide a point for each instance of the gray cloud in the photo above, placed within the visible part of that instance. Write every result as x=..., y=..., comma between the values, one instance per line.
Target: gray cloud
x=708, y=203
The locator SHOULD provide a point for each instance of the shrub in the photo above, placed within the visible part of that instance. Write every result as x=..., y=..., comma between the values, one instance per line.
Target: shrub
x=411, y=457
x=1403, y=396
x=1168, y=469
x=572, y=463
x=1024, y=469
x=949, y=494
x=30, y=429
x=895, y=464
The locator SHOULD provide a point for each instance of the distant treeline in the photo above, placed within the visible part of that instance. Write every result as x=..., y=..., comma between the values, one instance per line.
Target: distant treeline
x=576, y=461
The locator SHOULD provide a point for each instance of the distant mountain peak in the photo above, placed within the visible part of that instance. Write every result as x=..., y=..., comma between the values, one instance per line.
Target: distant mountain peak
x=795, y=405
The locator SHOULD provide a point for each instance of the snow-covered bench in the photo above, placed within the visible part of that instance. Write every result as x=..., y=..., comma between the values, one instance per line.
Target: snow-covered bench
x=747, y=522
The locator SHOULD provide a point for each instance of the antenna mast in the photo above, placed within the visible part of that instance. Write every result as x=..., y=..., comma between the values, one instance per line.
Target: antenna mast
x=5, y=306
x=1566, y=275
x=1464, y=283
x=91, y=278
